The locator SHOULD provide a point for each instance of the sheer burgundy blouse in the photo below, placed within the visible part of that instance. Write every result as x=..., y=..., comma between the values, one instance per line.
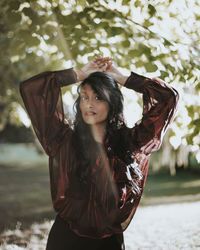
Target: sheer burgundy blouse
x=94, y=214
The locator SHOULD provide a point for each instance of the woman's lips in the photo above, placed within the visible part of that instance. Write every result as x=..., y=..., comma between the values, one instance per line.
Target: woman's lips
x=90, y=113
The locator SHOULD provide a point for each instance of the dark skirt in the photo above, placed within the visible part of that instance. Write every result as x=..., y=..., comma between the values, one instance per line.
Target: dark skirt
x=61, y=237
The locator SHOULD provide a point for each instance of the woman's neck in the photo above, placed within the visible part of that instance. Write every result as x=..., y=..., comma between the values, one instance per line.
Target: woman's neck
x=99, y=132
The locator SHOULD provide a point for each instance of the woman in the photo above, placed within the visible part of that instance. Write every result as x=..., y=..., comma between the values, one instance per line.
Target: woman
x=97, y=169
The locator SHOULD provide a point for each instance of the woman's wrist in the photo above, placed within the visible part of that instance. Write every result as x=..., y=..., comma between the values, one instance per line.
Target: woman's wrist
x=121, y=79
x=80, y=74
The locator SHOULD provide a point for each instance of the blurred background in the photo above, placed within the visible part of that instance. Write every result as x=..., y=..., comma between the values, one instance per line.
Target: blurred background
x=154, y=38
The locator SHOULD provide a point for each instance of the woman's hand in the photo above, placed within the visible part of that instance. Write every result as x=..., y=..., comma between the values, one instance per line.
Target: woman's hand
x=111, y=69
x=103, y=64
x=114, y=72
x=97, y=64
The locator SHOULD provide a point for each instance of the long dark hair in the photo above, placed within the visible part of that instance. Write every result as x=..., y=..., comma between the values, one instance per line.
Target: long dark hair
x=86, y=149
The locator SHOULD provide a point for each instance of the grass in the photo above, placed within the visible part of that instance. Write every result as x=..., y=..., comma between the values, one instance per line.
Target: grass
x=162, y=188
x=25, y=193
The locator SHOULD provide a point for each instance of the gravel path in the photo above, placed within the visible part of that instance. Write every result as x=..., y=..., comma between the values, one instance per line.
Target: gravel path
x=172, y=226
x=163, y=227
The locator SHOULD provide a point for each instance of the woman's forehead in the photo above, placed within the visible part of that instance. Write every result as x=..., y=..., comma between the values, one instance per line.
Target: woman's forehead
x=86, y=89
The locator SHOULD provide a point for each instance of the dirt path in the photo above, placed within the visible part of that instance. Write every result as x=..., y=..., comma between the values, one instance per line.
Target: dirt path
x=161, y=227
x=170, y=227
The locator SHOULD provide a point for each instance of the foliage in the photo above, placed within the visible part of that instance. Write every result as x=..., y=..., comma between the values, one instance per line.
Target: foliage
x=157, y=38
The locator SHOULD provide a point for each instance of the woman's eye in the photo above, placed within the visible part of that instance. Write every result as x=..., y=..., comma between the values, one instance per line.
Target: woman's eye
x=83, y=98
x=98, y=98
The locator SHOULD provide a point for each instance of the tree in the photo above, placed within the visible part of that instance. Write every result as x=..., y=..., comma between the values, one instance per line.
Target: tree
x=154, y=38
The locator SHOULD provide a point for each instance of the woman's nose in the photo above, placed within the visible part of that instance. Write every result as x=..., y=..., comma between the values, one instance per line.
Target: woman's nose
x=90, y=103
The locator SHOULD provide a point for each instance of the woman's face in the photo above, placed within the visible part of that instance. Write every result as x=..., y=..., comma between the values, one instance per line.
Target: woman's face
x=94, y=110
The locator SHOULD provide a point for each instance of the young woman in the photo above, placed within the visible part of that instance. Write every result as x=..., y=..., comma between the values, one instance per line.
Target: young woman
x=97, y=168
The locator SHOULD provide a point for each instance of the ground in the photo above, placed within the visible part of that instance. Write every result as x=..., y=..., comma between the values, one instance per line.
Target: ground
x=165, y=227
x=168, y=217
x=161, y=227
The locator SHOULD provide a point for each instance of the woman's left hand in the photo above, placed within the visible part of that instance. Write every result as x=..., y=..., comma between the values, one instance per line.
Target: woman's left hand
x=115, y=73
x=97, y=64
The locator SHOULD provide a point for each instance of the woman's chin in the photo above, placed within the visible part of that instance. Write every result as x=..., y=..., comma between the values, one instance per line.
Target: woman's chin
x=93, y=122
x=90, y=121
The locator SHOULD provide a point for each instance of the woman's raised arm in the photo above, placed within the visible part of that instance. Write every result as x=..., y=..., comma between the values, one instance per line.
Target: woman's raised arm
x=159, y=105
x=43, y=101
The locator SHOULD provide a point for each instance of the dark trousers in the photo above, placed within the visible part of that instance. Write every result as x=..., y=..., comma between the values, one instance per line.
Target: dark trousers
x=62, y=238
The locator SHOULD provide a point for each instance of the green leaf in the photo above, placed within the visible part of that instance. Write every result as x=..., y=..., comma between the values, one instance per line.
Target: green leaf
x=196, y=122
x=167, y=42
x=81, y=2
x=27, y=37
x=116, y=31
x=171, y=133
x=196, y=131
x=32, y=14
x=109, y=14
x=151, y=10
x=17, y=48
x=125, y=2
x=147, y=23
x=161, y=56
x=14, y=5
x=182, y=79
x=190, y=75
x=33, y=41
x=173, y=15
x=99, y=14
x=135, y=53
x=189, y=139
x=163, y=74
x=170, y=67
x=197, y=17
x=24, y=34
x=103, y=25
x=90, y=58
x=91, y=1
x=137, y=3
x=150, y=67
x=14, y=17
x=144, y=49
x=190, y=110
x=139, y=64
x=28, y=12
x=126, y=43
x=197, y=87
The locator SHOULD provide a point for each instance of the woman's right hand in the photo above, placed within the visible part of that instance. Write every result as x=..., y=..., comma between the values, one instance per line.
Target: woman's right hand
x=111, y=69
x=97, y=64
x=116, y=74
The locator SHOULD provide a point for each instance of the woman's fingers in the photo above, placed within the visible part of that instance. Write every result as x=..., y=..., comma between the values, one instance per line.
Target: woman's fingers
x=103, y=63
x=98, y=64
x=104, y=67
x=102, y=59
x=109, y=64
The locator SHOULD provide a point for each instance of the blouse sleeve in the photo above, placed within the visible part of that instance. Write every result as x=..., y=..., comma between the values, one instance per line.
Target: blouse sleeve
x=42, y=98
x=159, y=105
